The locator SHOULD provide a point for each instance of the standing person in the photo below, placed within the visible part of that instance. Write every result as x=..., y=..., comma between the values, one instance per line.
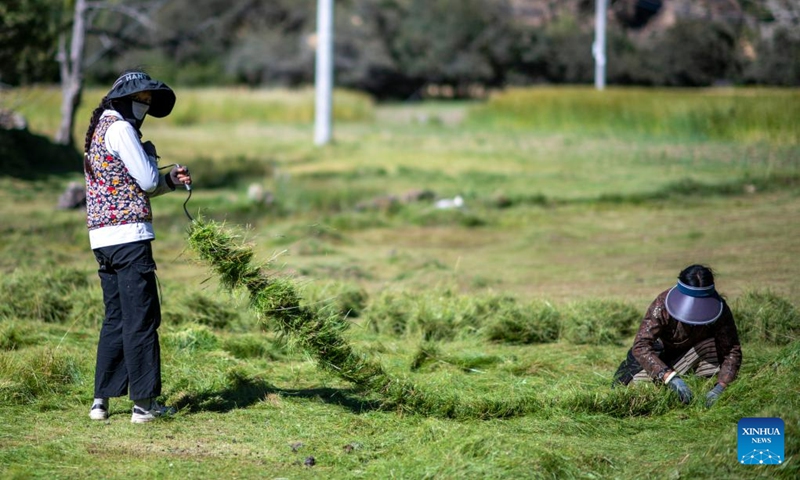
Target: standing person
x=121, y=178
x=686, y=327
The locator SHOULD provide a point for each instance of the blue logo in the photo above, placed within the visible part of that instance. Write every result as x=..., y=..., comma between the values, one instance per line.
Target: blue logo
x=761, y=441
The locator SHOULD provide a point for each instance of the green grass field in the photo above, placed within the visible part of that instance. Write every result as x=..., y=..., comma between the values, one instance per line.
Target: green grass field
x=507, y=316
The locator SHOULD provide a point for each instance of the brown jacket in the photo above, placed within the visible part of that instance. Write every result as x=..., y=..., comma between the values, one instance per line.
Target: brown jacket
x=679, y=337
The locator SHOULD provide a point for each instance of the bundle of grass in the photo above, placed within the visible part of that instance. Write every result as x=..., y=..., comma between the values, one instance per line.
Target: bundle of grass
x=252, y=346
x=766, y=317
x=428, y=354
x=635, y=400
x=387, y=314
x=14, y=335
x=38, y=372
x=320, y=333
x=434, y=315
x=518, y=325
x=348, y=299
x=275, y=298
x=599, y=322
x=192, y=339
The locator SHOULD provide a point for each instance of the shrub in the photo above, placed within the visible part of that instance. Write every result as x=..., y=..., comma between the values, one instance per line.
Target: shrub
x=696, y=53
x=766, y=317
x=599, y=322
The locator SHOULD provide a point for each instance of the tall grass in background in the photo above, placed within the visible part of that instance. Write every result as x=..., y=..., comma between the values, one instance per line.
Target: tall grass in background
x=212, y=105
x=733, y=114
x=743, y=115
x=41, y=106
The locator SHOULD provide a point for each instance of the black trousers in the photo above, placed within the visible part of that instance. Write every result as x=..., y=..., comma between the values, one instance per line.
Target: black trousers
x=128, y=352
x=630, y=366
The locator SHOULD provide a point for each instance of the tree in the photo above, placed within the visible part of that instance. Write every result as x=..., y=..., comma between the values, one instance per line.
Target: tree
x=71, y=49
x=27, y=39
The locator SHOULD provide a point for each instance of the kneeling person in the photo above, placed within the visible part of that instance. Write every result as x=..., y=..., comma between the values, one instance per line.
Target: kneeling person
x=688, y=327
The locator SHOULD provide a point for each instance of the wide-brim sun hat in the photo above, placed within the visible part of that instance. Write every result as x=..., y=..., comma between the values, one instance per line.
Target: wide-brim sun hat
x=163, y=98
x=694, y=305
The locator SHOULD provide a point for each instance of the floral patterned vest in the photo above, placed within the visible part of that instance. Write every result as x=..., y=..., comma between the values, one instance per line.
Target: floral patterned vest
x=112, y=195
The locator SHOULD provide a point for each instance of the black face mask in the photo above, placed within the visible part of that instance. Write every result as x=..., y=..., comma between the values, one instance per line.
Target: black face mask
x=125, y=107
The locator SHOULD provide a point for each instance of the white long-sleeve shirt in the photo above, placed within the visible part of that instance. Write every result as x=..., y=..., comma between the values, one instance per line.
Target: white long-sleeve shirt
x=123, y=141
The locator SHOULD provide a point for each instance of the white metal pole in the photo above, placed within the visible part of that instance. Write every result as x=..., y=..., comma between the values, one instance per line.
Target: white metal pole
x=599, y=47
x=324, y=73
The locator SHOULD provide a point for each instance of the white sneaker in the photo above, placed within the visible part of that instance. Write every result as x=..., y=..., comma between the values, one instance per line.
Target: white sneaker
x=140, y=415
x=99, y=411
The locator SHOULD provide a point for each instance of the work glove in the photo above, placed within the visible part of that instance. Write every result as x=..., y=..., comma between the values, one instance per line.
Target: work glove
x=714, y=394
x=679, y=386
x=177, y=175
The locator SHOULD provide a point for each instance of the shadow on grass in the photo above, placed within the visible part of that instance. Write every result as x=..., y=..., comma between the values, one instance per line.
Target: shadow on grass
x=28, y=156
x=248, y=391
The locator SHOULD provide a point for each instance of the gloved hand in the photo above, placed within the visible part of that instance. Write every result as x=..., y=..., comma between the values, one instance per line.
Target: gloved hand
x=150, y=149
x=179, y=175
x=679, y=386
x=714, y=394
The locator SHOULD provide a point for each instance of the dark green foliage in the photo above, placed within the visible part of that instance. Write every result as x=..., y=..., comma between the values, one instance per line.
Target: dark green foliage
x=560, y=53
x=696, y=53
x=517, y=324
x=40, y=295
x=762, y=316
x=599, y=322
x=28, y=30
x=396, y=48
x=777, y=61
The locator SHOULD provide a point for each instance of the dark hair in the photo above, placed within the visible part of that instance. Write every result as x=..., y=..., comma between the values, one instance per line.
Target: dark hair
x=697, y=276
x=105, y=104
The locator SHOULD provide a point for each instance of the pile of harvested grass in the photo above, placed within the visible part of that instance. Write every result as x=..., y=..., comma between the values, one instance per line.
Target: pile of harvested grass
x=320, y=333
